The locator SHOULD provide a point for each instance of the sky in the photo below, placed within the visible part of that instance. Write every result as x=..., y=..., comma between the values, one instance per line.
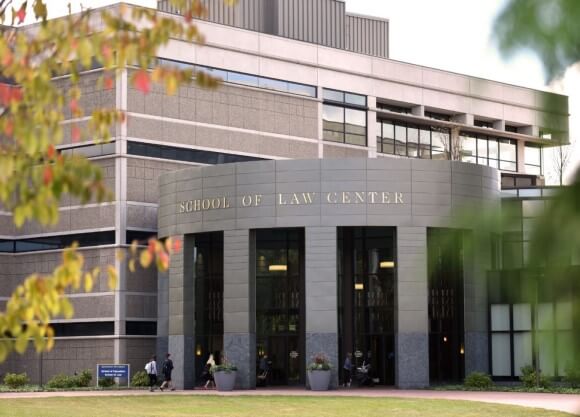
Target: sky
x=453, y=35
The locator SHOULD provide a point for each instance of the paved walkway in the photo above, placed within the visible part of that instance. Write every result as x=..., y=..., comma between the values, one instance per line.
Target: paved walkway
x=559, y=402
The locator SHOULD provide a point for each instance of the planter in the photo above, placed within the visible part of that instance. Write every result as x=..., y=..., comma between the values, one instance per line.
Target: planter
x=225, y=381
x=319, y=380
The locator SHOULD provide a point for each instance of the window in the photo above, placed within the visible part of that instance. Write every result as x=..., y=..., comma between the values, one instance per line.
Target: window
x=345, y=122
x=400, y=138
x=141, y=237
x=187, y=155
x=58, y=242
x=437, y=116
x=545, y=135
x=483, y=123
x=393, y=108
x=99, y=328
x=490, y=151
x=141, y=328
x=512, y=129
x=246, y=79
x=533, y=158
x=90, y=151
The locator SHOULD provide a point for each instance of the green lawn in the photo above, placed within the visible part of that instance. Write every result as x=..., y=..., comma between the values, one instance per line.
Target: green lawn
x=160, y=405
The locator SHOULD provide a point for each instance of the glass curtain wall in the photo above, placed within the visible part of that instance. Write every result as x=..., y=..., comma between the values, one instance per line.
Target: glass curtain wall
x=446, y=331
x=366, y=301
x=280, y=305
x=209, y=294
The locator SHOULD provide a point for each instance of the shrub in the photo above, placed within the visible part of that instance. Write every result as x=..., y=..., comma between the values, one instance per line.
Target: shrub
x=224, y=367
x=16, y=380
x=320, y=362
x=478, y=380
x=531, y=379
x=140, y=379
x=83, y=379
x=573, y=376
x=61, y=381
x=106, y=382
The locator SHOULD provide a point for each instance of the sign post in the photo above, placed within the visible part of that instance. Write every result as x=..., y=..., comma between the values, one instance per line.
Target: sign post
x=114, y=371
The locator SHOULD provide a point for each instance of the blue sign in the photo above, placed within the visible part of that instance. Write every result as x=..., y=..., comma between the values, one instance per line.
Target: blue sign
x=113, y=371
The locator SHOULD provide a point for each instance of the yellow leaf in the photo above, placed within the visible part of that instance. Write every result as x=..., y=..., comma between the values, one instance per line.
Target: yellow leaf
x=21, y=343
x=113, y=278
x=88, y=282
x=132, y=265
x=145, y=259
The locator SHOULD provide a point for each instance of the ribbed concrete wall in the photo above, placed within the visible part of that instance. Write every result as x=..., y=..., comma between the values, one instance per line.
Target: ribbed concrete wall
x=367, y=36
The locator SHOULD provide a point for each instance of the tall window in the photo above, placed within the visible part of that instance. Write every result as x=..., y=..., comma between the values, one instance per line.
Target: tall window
x=486, y=150
x=533, y=158
x=400, y=138
x=344, y=117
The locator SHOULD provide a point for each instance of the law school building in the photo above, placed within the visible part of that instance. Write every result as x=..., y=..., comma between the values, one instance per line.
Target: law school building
x=317, y=200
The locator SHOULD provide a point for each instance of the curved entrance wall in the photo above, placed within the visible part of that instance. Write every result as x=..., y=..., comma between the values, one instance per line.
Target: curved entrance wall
x=320, y=195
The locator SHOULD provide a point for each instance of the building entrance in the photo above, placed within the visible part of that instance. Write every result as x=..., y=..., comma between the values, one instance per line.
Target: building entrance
x=280, y=306
x=366, y=302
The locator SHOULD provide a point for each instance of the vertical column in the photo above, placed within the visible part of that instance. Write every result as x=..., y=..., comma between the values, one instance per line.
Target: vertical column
x=320, y=125
x=181, y=315
x=239, y=306
x=321, y=296
x=412, y=339
x=521, y=156
x=476, y=264
x=372, y=127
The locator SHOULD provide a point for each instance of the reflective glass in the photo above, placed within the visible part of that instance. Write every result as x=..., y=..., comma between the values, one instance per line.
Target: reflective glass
x=507, y=150
x=500, y=317
x=333, y=118
x=238, y=78
x=564, y=315
x=272, y=84
x=333, y=95
x=425, y=143
x=302, y=89
x=532, y=155
x=355, y=99
x=440, y=139
x=501, y=355
x=522, y=351
x=388, y=130
x=482, y=148
x=522, y=316
x=493, y=149
x=412, y=141
x=356, y=121
x=545, y=316
x=401, y=140
x=353, y=139
x=507, y=166
x=469, y=148
x=533, y=170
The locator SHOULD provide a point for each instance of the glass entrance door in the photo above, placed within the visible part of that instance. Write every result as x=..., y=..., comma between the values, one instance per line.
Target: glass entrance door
x=366, y=280
x=280, y=306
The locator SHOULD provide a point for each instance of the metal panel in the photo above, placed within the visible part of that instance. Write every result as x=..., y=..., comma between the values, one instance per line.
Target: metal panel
x=323, y=22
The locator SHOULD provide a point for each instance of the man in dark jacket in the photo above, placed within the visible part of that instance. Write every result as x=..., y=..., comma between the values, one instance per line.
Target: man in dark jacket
x=167, y=368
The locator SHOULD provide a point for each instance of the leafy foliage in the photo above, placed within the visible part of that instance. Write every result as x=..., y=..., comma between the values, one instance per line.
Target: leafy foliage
x=15, y=381
x=223, y=367
x=319, y=362
x=573, y=376
x=140, y=379
x=548, y=27
x=106, y=382
x=61, y=381
x=478, y=380
x=41, y=102
x=532, y=378
x=84, y=378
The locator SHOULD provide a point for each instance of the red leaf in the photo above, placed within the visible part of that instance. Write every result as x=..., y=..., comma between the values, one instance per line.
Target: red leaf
x=188, y=16
x=21, y=13
x=108, y=83
x=151, y=246
x=50, y=151
x=75, y=133
x=9, y=127
x=7, y=59
x=47, y=175
x=74, y=105
x=142, y=81
x=176, y=245
x=107, y=51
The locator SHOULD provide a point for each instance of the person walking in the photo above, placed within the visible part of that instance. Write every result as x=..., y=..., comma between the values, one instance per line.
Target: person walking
x=166, y=369
x=347, y=369
x=151, y=369
x=207, y=371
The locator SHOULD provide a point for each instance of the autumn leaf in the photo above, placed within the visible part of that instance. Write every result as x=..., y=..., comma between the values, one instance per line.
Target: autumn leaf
x=142, y=81
x=75, y=133
x=47, y=175
x=108, y=83
x=21, y=13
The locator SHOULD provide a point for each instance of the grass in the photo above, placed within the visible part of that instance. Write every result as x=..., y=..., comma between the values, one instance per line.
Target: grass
x=509, y=388
x=156, y=405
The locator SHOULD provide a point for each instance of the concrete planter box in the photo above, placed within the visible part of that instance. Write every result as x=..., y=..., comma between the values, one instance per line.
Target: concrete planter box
x=319, y=380
x=225, y=381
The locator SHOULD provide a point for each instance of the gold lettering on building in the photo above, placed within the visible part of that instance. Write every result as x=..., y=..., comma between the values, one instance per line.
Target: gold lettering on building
x=294, y=199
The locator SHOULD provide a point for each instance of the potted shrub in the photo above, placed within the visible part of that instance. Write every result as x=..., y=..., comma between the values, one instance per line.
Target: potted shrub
x=319, y=372
x=224, y=376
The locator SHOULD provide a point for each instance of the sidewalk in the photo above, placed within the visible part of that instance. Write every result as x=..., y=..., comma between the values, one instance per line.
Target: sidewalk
x=558, y=402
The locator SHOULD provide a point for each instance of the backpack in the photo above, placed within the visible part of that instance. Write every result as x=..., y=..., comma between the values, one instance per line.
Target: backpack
x=167, y=366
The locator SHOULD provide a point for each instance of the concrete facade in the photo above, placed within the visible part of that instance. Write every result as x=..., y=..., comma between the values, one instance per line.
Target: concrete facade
x=253, y=121
x=319, y=196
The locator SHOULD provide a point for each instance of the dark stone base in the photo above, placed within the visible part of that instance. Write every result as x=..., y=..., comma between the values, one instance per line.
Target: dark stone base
x=326, y=343
x=183, y=354
x=240, y=350
x=412, y=360
x=476, y=352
